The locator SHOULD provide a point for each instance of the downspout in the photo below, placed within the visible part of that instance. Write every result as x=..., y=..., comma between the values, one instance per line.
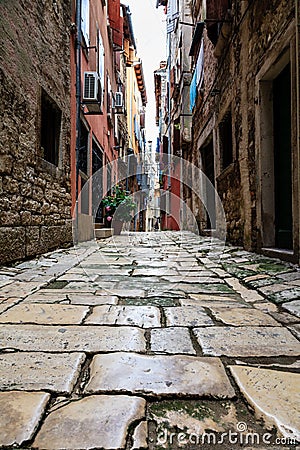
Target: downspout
x=169, y=184
x=297, y=14
x=78, y=109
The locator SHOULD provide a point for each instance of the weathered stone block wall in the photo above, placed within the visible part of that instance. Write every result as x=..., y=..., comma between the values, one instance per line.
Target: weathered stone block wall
x=35, y=200
x=256, y=26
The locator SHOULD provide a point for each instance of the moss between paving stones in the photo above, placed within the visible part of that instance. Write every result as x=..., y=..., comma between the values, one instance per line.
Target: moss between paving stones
x=286, y=295
x=271, y=267
x=237, y=271
x=262, y=282
x=153, y=301
x=57, y=285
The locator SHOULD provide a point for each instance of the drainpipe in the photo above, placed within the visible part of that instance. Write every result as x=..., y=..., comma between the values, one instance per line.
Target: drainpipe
x=297, y=16
x=78, y=109
x=169, y=184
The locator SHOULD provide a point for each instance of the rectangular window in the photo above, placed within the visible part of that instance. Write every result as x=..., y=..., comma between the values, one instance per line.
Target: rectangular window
x=101, y=68
x=50, y=129
x=225, y=134
x=85, y=20
x=83, y=150
x=108, y=96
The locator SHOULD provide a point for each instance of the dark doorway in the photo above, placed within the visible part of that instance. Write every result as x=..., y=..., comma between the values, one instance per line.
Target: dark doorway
x=283, y=159
x=97, y=186
x=207, y=153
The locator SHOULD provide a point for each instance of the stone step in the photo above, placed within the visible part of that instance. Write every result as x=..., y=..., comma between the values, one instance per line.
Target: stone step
x=99, y=226
x=102, y=233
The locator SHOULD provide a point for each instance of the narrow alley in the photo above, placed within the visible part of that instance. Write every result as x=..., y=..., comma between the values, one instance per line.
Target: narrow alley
x=150, y=341
x=149, y=224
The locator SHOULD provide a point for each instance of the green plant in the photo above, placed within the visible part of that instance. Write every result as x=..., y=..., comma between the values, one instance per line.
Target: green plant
x=118, y=205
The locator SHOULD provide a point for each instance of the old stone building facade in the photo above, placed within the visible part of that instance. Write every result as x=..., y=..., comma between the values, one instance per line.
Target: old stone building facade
x=245, y=135
x=66, y=76
x=35, y=193
x=244, y=67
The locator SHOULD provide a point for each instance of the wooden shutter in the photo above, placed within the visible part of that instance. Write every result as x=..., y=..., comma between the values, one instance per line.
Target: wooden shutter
x=116, y=22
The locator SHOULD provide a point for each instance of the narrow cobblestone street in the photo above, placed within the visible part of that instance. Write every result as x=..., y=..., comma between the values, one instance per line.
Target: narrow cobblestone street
x=150, y=340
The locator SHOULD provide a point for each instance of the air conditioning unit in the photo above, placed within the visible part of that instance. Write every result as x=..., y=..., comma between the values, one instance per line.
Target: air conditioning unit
x=119, y=100
x=91, y=86
x=92, y=93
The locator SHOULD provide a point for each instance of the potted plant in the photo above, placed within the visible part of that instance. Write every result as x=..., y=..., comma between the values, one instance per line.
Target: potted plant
x=118, y=208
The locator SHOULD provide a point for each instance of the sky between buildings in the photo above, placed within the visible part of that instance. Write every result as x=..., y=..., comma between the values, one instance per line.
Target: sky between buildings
x=149, y=26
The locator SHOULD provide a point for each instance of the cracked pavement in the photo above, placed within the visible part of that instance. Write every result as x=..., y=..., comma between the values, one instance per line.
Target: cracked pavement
x=150, y=340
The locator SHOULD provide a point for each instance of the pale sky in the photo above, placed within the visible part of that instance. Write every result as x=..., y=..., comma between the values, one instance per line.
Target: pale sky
x=149, y=27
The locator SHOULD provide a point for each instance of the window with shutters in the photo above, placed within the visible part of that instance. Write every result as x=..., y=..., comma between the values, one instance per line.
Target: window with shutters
x=116, y=23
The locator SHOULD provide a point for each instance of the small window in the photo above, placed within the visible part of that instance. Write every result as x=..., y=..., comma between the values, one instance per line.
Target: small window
x=85, y=20
x=50, y=129
x=101, y=66
x=225, y=133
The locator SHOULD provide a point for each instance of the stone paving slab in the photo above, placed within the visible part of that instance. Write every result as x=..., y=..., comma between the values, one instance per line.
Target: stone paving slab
x=247, y=341
x=293, y=307
x=39, y=371
x=209, y=303
x=158, y=375
x=171, y=340
x=91, y=300
x=45, y=314
x=83, y=278
x=7, y=303
x=41, y=297
x=19, y=289
x=196, y=272
x=213, y=288
x=81, y=286
x=217, y=297
x=249, y=295
x=242, y=316
x=140, y=316
x=98, y=421
x=153, y=272
x=285, y=318
x=189, y=316
x=156, y=263
x=191, y=279
x=286, y=295
x=274, y=395
x=266, y=307
x=295, y=329
x=126, y=292
x=272, y=288
x=20, y=415
x=85, y=338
